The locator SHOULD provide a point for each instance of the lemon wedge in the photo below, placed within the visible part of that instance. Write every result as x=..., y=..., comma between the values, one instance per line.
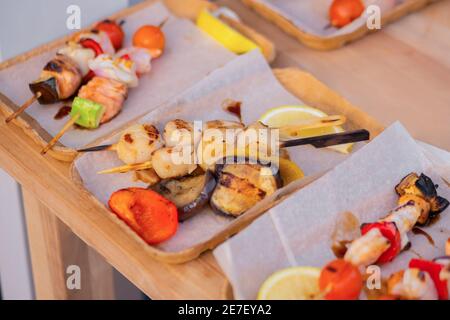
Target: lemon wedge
x=298, y=283
x=289, y=171
x=290, y=115
x=224, y=34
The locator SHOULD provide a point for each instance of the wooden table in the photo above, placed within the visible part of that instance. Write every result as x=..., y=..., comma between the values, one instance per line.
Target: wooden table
x=401, y=73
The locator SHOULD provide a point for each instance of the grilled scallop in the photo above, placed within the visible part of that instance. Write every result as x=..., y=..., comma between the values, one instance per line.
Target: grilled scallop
x=214, y=144
x=137, y=143
x=173, y=162
x=241, y=186
x=180, y=132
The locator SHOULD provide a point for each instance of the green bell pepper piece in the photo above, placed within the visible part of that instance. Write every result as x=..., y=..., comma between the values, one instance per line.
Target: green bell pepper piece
x=90, y=112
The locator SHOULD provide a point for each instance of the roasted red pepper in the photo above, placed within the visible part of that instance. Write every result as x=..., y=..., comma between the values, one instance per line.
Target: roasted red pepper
x=92, y=44
x=389, y=231
x=434, y=270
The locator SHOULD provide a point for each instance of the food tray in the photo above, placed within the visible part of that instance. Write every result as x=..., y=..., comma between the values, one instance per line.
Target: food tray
x=322, y=42
x=37, y=57
x=298, y=83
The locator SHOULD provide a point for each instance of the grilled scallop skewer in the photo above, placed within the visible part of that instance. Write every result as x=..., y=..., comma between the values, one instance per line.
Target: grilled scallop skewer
x=62, y=76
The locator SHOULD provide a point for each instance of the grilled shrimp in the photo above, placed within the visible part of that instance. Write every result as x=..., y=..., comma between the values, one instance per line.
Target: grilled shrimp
x=412, y=284
x=367, y=249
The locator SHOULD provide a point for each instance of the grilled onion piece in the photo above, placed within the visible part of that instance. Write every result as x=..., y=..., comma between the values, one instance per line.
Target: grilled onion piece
x=189, y=194
x=241, y=186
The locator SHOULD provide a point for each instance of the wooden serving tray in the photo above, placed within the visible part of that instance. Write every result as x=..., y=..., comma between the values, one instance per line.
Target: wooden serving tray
x=188, y=9
x=321, y=43
x=308, y=89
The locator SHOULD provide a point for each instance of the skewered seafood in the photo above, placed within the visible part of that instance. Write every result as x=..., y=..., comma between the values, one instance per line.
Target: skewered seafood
x=59, y=79
x=172, y=162
x=180, y=132
x=423, y=280
x=63, y=75
x=109, y=93
x=137, y=143
x=422, y=204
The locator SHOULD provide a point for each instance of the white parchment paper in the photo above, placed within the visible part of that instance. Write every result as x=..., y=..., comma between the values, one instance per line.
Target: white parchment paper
x=298, y=231
x=312, y=16
x=189, y=56
x=247, y=79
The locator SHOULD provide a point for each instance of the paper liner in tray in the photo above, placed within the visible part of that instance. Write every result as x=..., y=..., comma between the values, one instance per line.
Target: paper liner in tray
x=189, y=56
x=247, y=79
x=308, y=21
x=298, y=231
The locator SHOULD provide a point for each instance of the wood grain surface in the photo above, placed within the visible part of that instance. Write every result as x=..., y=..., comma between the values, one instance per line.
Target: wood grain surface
x=400, y=73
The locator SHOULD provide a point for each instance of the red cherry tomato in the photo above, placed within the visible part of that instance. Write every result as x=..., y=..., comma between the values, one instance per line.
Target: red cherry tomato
x=340, y=280
x=114, y=32
x=342, y=12
x=151, y=38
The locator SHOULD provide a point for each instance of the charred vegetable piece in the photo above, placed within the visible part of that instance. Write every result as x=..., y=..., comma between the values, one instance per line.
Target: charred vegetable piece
x=190, y=193
x=48, y=89
x=90, y=112
x=241, y=185
x=421, y=186
x=149, y=214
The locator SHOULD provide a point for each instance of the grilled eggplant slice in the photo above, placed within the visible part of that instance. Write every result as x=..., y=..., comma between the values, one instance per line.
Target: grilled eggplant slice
x=241, y=185
x=48, y=89
x=189, y=193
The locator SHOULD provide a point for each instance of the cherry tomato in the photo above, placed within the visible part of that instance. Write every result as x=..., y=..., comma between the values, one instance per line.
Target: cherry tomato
x=151, y=38
x=340, y=280
x=342, y=12
x=114, y=32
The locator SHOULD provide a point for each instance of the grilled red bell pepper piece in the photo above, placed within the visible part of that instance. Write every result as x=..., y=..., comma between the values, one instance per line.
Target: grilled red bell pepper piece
x=389, y=231
x=92, y=44
x=433, y=269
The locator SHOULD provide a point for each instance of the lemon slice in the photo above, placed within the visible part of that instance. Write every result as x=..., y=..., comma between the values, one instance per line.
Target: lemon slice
x=224, y=34
x=298, y=283
x=290, y=115
x=289, y=171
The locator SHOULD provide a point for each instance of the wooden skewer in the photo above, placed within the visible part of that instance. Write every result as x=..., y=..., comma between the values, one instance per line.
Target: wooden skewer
x=27, y=103
x=329, y=121
x=318, y=142
x=127, y=168
x=55, y=139
x=104, y=147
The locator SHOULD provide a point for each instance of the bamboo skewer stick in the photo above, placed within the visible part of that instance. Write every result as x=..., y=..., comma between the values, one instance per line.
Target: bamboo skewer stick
x=318, y=142
x=55, y=139
x=127, y=168
x=27, y=103
x=329, y=121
